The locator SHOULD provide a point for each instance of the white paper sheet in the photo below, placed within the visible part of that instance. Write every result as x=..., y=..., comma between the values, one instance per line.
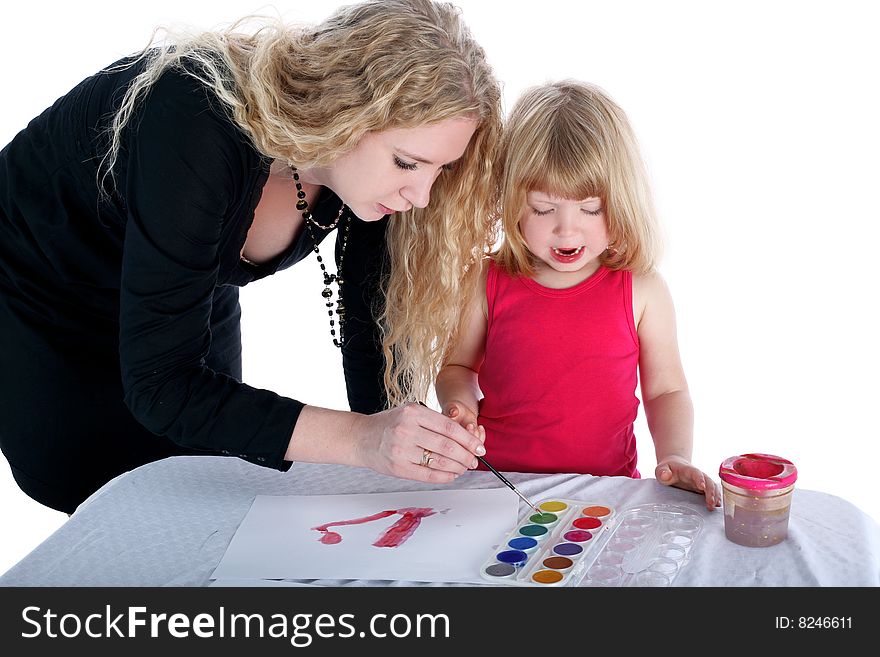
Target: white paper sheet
x=257, y=583
x=424, y=536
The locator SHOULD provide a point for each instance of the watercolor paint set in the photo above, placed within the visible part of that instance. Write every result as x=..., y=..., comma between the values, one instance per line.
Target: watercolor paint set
x=646, y=545
x=551, y=548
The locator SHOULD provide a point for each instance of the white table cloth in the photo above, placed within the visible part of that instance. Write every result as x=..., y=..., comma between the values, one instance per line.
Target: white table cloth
x=168, y=523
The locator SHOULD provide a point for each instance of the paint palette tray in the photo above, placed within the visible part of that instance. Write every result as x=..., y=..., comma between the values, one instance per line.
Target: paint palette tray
x=647, y=546
x=550, y=548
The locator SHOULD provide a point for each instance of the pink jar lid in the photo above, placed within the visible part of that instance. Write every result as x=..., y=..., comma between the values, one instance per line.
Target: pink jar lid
x=758, y=471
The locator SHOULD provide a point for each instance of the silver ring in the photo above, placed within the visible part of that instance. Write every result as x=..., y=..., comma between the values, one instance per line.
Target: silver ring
x=427, y=457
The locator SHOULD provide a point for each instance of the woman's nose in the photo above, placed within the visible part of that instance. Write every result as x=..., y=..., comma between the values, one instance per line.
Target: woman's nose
x=418, y=192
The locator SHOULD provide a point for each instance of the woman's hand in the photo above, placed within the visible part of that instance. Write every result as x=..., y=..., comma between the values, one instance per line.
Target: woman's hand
x=414, y=442
x=679, y=472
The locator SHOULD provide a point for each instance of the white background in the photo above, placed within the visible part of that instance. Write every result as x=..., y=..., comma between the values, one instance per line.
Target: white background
x=759, y=124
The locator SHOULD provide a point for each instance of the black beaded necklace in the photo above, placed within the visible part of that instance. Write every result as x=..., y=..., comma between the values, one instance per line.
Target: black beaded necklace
x=303, y=206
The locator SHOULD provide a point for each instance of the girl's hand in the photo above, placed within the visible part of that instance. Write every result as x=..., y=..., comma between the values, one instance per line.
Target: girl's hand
x=465, y=417
x=679, y=472
x=400, y=442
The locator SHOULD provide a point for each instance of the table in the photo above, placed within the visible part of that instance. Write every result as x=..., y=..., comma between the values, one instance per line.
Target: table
x=168, y=523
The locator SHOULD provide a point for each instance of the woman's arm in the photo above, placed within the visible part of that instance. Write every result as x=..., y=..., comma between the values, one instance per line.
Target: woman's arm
x=184, y=178
x=391, y=442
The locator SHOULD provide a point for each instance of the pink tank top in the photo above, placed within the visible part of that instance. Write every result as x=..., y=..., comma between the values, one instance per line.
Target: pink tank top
x=560, y=374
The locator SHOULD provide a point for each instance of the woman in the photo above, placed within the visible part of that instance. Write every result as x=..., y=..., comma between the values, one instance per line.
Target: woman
x=134, y=207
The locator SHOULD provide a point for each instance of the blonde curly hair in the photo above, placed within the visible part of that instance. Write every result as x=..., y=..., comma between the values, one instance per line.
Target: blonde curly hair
x=308, y=94
x=571, y=140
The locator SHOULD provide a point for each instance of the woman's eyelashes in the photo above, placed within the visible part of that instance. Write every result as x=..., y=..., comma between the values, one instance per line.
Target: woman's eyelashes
x=403, y=164
x=412, y=166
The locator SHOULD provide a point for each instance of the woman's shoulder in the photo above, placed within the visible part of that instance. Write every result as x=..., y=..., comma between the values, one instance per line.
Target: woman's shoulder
x=182, y=112
x=177, y=90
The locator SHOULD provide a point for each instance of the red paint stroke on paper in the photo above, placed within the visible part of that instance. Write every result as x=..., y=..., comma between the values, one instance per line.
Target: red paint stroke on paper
x=400, y=531
x=395, y=536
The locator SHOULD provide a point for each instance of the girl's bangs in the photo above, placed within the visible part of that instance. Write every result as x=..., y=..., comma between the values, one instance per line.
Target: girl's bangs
x=566, y=177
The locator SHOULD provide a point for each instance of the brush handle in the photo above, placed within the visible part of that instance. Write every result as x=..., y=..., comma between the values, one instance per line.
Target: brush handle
x=497, y=474
x=501, y=477
x=508, y=484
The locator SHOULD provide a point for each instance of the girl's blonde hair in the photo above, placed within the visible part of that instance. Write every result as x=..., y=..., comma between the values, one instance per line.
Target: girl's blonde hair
x=571, y=140
x=307, y=95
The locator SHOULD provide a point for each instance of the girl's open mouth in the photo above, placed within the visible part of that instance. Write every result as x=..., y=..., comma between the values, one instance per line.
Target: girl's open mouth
x=567, y=255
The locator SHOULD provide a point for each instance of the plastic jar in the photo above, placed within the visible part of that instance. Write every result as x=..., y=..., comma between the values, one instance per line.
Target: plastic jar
x=757, y=491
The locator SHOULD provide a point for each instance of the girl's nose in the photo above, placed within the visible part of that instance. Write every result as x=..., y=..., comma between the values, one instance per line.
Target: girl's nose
x=566, y=222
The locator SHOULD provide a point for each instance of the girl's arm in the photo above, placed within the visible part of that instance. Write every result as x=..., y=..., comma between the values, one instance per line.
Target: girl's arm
x=665, y=395
x=457, y=389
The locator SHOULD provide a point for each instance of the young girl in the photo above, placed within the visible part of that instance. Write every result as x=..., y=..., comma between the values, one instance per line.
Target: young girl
x=547, y=361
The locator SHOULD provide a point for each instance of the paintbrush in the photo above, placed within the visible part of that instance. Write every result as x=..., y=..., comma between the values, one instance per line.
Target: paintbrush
x=503, y=479
x=509, y=485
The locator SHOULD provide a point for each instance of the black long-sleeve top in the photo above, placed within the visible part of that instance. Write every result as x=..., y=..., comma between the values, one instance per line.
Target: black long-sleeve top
x=143, y=268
